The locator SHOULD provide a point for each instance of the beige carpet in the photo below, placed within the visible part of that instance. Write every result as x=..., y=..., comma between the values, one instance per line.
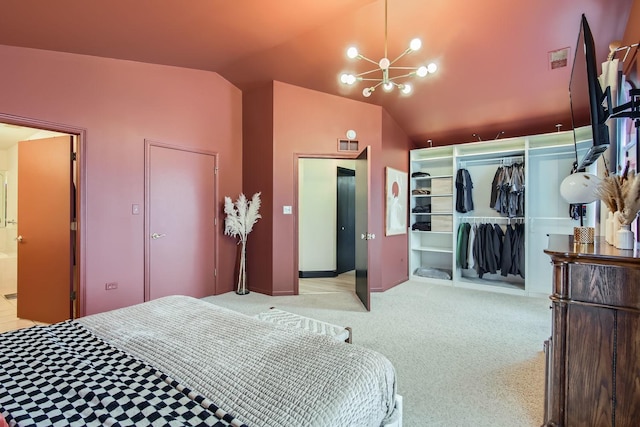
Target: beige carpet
x=463, y=357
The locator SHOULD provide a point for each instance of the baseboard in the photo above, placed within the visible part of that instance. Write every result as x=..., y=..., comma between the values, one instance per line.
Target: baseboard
x=316, y=274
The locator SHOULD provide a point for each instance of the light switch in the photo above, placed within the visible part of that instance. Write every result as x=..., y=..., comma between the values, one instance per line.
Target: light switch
x=286, y=210
x=135, y=209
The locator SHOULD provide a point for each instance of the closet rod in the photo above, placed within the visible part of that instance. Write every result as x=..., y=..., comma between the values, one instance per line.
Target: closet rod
x=493, y=218
x=498, y=161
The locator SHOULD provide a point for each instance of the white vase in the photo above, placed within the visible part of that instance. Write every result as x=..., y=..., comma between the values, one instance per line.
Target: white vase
x=614, y=229
x=624, y=237
x=608, y=228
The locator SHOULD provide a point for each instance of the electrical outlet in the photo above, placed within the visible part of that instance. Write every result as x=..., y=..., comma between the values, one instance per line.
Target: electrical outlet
x=109, y=286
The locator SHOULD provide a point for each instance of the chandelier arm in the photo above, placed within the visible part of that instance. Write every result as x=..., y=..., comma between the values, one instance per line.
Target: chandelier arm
x=400, y=77
x=404, y=68
x=401, y=55
x=367, y=59
x=367, y=72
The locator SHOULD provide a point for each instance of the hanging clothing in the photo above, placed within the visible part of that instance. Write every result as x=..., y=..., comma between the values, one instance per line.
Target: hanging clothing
x=507, y=190
x=462, y=247
x=492, y=249
x=470, y=259
x=464, y=187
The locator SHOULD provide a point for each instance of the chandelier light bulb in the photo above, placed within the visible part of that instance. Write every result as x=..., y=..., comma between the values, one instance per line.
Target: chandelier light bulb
x=422, y=71
x=415, y=44
x=366, y=92
x=384, y=63
x=352, y=52
x=348, y=79
x=387, y=86
x=406, y=89
x=431, y=68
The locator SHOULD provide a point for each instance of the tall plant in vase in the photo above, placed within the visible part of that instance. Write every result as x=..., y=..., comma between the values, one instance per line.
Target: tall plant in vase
x=621, y=194
x=241, y=216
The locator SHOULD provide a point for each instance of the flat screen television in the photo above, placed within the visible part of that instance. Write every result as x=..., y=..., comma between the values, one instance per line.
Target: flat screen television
x=587, y=97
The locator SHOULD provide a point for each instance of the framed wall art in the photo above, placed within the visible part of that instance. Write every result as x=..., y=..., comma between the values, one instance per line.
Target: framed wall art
x=396, y=202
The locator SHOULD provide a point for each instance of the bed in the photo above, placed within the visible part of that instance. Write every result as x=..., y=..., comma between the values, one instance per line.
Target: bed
x=182, y=361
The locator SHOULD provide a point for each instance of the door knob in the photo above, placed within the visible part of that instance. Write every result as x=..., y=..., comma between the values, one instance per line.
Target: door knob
x=156, y=236
x=19, y=239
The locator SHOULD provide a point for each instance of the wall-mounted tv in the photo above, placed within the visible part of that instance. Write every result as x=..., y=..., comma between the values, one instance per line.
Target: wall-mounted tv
x=587, y=97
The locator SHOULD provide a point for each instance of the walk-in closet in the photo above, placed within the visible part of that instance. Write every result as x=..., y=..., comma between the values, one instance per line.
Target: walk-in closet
x=481, y=212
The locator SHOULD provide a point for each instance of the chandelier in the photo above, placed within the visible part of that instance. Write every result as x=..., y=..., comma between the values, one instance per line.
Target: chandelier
x=386, y=67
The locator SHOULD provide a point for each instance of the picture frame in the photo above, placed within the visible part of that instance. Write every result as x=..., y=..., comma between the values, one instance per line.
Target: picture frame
x=396, y=200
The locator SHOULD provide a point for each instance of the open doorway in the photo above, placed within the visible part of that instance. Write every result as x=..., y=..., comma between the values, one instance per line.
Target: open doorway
x=326, y=225
x=14, y=132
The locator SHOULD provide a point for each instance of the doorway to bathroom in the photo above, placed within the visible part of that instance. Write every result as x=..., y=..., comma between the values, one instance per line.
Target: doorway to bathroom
x=39, y=238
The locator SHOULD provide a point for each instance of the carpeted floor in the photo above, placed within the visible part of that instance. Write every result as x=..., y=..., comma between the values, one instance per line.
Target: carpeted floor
x=463, y=357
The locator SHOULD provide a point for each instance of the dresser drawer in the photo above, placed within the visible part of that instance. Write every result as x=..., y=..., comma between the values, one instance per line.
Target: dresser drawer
x=615, y=286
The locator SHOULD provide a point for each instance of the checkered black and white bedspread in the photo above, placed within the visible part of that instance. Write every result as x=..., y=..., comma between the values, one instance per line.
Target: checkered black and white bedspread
x=64, y=375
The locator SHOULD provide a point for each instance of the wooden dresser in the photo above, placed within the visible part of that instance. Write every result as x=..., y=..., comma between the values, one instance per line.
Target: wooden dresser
x=593, y=354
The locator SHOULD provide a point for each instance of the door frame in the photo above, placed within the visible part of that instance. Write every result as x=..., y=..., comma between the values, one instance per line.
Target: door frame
x=148, y=143
x=296, y=231
x=80, y=170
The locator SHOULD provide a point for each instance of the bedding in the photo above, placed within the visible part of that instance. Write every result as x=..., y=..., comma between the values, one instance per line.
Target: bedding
x=225, y=367
x=64, y=375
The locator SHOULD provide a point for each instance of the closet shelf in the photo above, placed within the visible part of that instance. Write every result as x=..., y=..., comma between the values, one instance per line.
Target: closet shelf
x=433, y=248
x=432, y=213
x=432, y=195
x=430, y=232
x=432, y=159
x=431, y=177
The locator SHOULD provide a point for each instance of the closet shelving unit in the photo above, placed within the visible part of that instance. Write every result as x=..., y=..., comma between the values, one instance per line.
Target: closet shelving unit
x=432, y=247
x=547, y=158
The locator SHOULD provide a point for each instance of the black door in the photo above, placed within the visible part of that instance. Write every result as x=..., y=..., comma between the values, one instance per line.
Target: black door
x=346, y=225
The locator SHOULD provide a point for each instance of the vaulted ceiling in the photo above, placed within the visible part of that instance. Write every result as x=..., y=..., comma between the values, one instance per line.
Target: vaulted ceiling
x=493, y=55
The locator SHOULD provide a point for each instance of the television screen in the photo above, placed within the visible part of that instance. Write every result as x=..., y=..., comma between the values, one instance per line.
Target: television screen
x=587, y=97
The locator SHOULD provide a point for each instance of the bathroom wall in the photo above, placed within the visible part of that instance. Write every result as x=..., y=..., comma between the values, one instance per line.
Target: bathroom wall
x=11, y=230
x=8, y=233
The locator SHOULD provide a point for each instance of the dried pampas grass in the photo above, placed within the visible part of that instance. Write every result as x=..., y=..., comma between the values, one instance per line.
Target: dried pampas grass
x=631, y=206
x=241, y=216
x=621, y=194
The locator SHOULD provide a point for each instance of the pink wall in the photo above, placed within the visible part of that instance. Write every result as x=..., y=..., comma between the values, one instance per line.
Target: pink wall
x=257, y=176
x=120, y=103
x=307, y=122
x=395, y=146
